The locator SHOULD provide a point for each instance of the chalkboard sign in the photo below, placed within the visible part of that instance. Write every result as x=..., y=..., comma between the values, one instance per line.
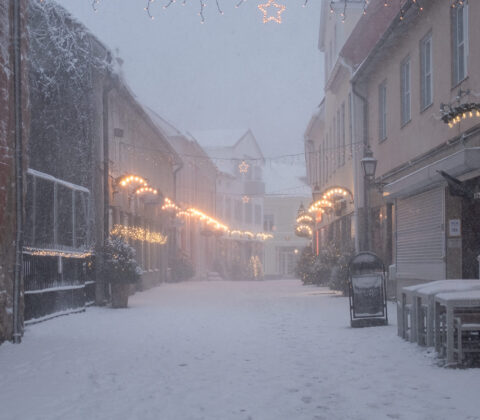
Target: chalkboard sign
x=367, y=298
x=368, y=295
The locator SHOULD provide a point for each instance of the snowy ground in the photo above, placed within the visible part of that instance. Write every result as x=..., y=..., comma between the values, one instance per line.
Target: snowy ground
x=227, y=350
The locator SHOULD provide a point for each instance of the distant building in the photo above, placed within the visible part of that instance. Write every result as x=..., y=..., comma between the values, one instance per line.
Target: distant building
x=194, y=189
x=138, y=148
x=286, y=191
x=240, y=191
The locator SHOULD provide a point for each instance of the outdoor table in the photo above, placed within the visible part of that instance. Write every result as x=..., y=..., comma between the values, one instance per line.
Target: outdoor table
x=451, y=302
x=403, y=308
x=425, y=295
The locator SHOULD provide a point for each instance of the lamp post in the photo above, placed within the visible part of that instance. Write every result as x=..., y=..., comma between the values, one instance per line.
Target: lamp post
x=316, y=195
x=369, y=166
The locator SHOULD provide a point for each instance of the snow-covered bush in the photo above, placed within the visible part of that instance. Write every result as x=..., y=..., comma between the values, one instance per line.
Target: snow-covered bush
x=328, y=268
x=339, y=275
x=119, y=264
x=304, y=268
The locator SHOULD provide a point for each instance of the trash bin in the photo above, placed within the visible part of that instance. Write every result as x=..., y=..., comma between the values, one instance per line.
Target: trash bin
x=368, y=295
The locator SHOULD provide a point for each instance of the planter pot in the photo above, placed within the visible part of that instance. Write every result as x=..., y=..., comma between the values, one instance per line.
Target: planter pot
x=120, y=292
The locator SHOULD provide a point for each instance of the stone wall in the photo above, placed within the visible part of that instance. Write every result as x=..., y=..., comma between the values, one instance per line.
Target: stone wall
x=7, y=167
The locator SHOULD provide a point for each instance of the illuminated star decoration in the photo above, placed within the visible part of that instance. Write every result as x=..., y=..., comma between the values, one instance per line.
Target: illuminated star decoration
x=271, y=3
x=245, y=199
x=243, y=167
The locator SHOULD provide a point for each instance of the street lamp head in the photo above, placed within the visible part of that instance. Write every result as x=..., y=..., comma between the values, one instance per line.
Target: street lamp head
x=369, y=164
x=301, y=210
x=316, y=193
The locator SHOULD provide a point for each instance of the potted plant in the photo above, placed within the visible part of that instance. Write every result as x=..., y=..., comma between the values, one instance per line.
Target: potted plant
x=120, y=269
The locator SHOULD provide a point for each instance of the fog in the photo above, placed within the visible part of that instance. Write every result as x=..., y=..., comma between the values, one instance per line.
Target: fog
x=231, y=72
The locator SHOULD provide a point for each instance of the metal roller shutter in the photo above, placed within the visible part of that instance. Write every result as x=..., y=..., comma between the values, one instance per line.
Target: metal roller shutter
x=420, y=236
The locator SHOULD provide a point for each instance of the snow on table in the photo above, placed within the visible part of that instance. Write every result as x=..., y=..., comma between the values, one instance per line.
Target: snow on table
x=227, y=350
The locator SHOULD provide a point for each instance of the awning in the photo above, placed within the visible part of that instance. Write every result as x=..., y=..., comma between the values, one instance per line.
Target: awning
x=457, y=164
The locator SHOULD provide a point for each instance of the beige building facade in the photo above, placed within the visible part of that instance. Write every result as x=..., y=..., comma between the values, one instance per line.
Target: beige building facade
x=423, y=67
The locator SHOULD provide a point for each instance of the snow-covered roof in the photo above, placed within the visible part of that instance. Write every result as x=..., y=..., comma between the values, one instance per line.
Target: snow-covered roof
x=218, y=138
x=286, y=179
x=167, y=128
x=224, y=147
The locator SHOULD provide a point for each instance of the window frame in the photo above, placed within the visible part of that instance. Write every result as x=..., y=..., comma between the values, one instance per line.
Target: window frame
x=456, y=77
x=426, y=77
x=405, y=91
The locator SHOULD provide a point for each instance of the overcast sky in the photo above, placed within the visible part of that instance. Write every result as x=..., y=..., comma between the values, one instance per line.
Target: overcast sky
x=233, y=71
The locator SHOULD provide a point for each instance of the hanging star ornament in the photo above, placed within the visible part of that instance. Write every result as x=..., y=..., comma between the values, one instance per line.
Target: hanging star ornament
x=243, y=167
x=245, y=199
x=271, y=3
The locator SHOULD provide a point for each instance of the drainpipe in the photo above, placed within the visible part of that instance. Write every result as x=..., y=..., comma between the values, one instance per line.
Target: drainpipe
x=365, y=244
x=17, y=79
x=176, y=169
x=107, y=87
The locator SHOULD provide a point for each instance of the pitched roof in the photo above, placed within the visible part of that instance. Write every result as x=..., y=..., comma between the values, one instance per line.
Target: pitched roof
x=369, y=30
x=218, y=138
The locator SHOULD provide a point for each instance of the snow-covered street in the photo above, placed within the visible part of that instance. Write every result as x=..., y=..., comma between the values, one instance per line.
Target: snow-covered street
x=227, y=350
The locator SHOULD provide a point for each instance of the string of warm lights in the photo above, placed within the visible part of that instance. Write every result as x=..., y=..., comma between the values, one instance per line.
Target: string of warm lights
x=303, y=231
x=264, y=8
x=243, y=167
x=336, y=192
x=343, y=4
x=305, y=219
x=271, y=18
x=137, y=233
x=454, y=115
x=320, y=205
x=144, y=190
x=127, y=180
x=212, y=222
x=57, y=253
x=169, y=205
x=147, y=9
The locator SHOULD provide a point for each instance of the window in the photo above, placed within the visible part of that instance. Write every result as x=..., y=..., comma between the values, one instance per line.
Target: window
x=338, y=147
x=350, y=118
x=248, y=212
x=268, y=223
x=319, y=163
x=460, y=42
x=238, y=210
x=382, y=111
x=426, y=71
x=258, y=214
x=405, y=90
x=228, y=208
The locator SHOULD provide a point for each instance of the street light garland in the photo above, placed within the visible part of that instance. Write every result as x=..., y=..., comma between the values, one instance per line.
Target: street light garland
x=265, y=8
x=212, y=222
x=454, y=115
x=137, y=233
